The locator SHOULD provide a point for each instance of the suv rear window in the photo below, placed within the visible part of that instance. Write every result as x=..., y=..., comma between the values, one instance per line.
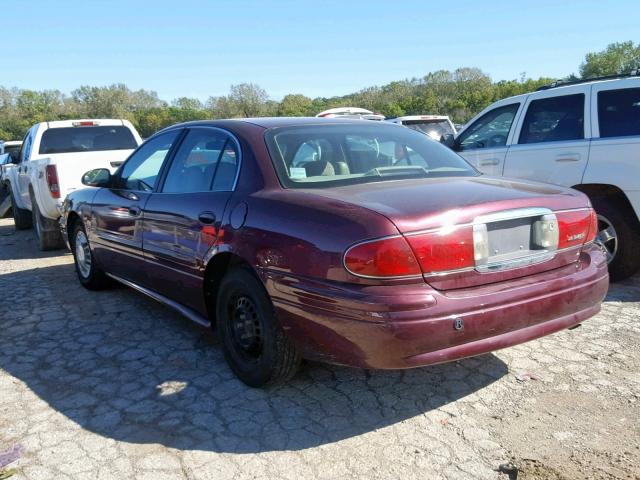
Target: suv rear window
x=619, y=112
x=324, y=156
x=87, y=139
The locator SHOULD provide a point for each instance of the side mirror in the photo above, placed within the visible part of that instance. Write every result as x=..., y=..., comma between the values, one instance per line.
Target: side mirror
x=448, y=140
x=99, y=177
x=15, y=157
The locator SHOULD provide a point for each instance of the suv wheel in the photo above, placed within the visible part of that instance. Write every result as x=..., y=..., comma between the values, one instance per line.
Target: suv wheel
x=255, y=346
x=619, y=237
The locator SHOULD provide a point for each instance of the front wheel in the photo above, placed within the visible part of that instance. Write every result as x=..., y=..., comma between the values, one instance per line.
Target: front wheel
x=91, y=276
x=619, y=238
x=255, y=346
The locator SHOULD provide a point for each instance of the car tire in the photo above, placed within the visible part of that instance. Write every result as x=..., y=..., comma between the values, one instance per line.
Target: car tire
x=619, y=236
x=91, y=276
x=254, y=344
x=21, y=217
x=47, y=231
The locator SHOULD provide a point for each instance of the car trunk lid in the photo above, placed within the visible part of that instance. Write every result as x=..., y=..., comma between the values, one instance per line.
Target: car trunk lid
x=509, y=221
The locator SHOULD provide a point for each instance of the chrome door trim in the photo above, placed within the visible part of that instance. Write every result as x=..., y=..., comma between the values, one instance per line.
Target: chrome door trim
x=185, y=311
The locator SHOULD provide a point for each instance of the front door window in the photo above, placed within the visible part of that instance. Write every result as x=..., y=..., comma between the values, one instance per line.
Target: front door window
x=489, y=131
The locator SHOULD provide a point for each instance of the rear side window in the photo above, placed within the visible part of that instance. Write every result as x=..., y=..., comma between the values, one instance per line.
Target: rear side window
x=619, y=112
x=86, y=139
x=206, y=160
x=554, y=119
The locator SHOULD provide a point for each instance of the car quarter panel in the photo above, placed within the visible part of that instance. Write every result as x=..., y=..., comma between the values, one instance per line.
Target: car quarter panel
x=403, y=327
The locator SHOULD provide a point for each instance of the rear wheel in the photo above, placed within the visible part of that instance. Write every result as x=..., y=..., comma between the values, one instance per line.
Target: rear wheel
x=21, y=216
x=254, y=344
x=91, y=276
x=619, y=237
x=47, y=231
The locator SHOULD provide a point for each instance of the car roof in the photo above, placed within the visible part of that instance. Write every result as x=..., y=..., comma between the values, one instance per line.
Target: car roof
x=273, y=122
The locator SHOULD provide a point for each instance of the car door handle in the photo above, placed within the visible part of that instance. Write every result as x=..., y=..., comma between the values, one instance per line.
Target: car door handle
x=490, y=161
x=207, y=218
x=134, y=210
x=568, y=157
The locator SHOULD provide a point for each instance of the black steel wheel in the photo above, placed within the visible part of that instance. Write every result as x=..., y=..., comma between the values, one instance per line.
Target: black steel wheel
x=255, y=346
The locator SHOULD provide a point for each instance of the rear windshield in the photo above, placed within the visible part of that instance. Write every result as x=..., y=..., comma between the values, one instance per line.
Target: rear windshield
x=322, y=156
x=12, y=148
x=86, y=139
x=434, y=128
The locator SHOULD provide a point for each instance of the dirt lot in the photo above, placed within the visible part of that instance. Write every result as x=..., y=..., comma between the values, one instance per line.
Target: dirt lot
x=112, y=385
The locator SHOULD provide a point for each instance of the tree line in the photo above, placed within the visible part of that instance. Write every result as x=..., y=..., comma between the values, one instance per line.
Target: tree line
x=460, y=94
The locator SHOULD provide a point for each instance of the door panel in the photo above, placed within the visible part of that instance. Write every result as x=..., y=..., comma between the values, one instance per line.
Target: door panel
x=116, y=232
x=24, y=167
x=117, y=213
x=484, y=143
x=179, y=230
x=184, y=220
x=615, y=150
x=551, y=140
x=560, y=163
x=489, y=161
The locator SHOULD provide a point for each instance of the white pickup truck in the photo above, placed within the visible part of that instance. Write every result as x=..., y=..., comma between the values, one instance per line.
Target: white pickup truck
x=53, y=158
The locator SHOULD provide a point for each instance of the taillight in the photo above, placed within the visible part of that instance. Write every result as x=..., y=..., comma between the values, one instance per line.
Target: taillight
x=386, y=258
x=444, y=249
x=576, y=227
x=52, y=181
x=593, y=227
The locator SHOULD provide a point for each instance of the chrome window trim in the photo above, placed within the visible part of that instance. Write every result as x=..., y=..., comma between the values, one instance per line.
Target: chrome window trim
x=238, y=167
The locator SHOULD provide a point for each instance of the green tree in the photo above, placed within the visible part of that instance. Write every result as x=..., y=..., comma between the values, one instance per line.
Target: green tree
x=617, y=58
x=249, y=99
x=295, y=105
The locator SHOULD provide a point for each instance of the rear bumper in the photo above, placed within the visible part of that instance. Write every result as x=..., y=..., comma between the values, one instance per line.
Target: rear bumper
x=407, y=326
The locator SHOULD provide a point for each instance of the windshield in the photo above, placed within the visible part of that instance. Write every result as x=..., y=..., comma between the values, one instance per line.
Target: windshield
x=321, y=156
x=86, y=139
x=434, y=128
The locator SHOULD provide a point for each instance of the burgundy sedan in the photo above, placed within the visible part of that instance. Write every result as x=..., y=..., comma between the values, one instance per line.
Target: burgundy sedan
x=344, y=241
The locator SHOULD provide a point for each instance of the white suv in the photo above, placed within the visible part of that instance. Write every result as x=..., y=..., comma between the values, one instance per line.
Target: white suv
x=584, y=135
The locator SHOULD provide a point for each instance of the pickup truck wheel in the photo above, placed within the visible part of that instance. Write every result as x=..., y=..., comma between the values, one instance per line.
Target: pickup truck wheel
x=255, y=346
x=619, y=237
x=47, y=231
x=91, y=276
x=21, y=216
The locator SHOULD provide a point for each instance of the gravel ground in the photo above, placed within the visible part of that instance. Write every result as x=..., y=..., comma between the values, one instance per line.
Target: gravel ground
x=111, y=385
